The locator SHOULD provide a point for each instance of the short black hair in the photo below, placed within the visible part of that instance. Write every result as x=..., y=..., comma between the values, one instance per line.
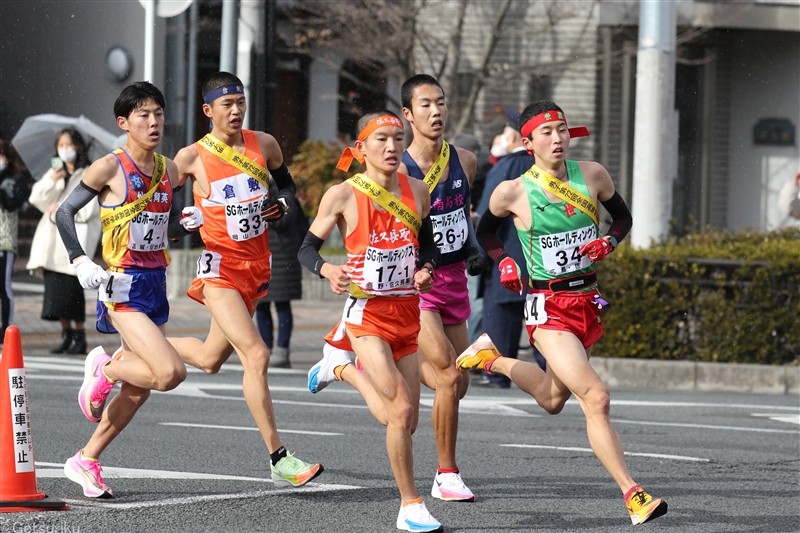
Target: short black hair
x=407, y=90
x=364, y=120
x=81, y=150
x=536, y=108
x=218, y=80
x=135, y=95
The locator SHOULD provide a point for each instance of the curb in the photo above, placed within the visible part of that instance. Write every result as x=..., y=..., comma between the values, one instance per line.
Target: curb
x=697, y=376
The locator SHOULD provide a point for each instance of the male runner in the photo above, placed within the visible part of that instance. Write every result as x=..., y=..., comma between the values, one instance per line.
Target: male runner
x=448, y=172
x=229, y=176
x=134, y=188
x=554, y=209
x=383, y=216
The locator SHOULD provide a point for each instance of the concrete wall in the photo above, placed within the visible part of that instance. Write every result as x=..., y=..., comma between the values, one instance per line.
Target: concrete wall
x=52, y=58
x=764, y=83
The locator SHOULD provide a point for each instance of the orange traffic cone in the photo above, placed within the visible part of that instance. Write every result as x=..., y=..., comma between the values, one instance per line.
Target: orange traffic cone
x=18, y=491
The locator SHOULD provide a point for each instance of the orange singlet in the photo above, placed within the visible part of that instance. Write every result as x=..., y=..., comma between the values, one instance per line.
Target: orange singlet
x=237, y=247
x=382, y=252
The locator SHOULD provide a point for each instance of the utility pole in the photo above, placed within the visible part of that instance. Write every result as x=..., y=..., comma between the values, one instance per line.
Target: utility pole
x=655, y=131
x=229, y=39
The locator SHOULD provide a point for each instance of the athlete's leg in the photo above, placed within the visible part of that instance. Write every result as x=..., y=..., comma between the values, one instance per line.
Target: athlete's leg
x=359, y=381
x=440, y=355
x=116, y=416
x=157, y=365
x=208, y=355
x=235, y=322
x=398, y=388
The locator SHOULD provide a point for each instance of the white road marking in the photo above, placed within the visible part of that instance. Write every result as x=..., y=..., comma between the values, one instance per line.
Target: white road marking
x=589, y=450
x=136, y=473
x=704, y=426
x=239, y=428
x=790, y=419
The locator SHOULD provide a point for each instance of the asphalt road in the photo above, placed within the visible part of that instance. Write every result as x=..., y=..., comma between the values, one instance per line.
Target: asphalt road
x=191, y=461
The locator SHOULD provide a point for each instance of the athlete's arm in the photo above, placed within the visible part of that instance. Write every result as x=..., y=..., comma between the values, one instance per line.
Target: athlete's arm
x=622, y=221
x=328, y=216
x=65, y=218
x=185, y=160
x=499, y=209
x=469, y=163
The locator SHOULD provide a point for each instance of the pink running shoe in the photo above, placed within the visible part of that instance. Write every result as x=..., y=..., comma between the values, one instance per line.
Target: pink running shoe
x=87, y=473
x=96, y=387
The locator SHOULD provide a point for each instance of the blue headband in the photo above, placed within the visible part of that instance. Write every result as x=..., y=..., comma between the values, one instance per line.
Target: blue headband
x=222, y=91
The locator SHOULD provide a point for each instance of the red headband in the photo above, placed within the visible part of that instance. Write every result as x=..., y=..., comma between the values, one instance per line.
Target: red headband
x=551, y=116
x=351, y=153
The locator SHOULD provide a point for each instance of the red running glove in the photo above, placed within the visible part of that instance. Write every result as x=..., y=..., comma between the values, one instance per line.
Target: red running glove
x=597, y=250
x=511, y=275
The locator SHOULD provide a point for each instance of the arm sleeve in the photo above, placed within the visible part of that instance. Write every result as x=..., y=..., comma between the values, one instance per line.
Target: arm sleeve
x=428, y=251
x=65, y=218
x=487, y=235
x=283, y=179
x=620, y=216
x=309, y=253
x=175, y=231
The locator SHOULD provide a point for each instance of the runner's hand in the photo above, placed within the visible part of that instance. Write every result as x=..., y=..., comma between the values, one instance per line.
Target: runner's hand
x=339, y=277
x=90, y=274
x=423, y=280
x=273, y=209
x=597, y=250
x=191, y=218
x=475, y=264
x=511, y=275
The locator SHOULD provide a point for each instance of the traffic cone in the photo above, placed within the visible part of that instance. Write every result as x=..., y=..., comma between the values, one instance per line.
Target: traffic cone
x=18, y=491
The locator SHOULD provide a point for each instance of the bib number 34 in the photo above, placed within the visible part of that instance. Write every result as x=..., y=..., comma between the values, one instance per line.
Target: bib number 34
x=534, y=309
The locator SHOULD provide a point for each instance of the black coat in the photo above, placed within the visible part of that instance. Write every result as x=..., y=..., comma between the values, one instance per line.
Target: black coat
x=285, y=237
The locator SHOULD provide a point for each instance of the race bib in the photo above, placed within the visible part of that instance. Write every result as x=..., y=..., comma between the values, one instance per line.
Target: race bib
x=148, y=232
x=389, y=269
x=243, y=220
x=450, y=230
x=560, y=250
x=354, y=310
x=208, y=264
x=534, y=309
x=117, y=288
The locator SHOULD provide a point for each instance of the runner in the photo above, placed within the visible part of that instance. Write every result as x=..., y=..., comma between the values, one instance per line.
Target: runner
x=554, y=208
x=383, y=216
x=448, y=172
x=229, y=171
x=134, y=188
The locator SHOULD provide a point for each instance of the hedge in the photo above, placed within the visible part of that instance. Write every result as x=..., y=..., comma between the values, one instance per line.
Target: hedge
x=717, y=296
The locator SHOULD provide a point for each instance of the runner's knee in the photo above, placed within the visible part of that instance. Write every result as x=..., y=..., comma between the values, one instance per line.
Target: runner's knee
x=171, y=377
x=597, y=401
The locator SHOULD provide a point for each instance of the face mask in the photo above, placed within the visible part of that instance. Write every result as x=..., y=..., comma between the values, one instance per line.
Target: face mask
x=67, y=154
x=500, y=149
x=3, y=163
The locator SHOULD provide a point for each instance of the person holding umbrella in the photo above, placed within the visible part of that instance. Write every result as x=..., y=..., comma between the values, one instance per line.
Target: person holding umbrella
x=63, y=295
x=13, y=193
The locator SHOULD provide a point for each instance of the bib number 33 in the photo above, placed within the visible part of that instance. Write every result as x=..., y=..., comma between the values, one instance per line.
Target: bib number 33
x=534, y=309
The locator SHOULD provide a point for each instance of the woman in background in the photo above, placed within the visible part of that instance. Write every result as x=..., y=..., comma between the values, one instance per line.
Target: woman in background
x=13, y=193
x=63, y=295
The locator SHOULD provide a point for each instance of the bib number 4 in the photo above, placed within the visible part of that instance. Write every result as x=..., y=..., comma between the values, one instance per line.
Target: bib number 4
x=534, y=309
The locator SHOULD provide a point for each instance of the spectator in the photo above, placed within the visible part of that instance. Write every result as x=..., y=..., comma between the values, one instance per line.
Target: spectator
x=285, y=237
x=63, y=295
x=789, y=198
x=13, y=193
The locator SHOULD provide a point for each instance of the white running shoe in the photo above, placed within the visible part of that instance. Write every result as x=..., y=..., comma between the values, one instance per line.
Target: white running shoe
x=415, y=517
x=321, y=374
x=450, y=488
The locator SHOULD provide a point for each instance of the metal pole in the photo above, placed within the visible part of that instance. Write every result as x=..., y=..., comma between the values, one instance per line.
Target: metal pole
x=654, y=150
x=230, y=35
x=191, y=98
x=149, y=27
x=269, y=85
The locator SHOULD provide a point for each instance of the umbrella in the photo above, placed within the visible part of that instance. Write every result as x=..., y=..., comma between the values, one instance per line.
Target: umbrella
x=35, y=139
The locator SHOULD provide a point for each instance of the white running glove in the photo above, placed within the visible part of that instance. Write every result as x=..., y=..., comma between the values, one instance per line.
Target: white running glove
x=191, y=218
x=90, y=274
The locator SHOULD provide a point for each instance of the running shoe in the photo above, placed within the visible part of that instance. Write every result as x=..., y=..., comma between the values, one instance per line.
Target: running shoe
x=96, y=387
x=416, y=517
x=87, y=473
x=450, y=488
x=321, y=375
x=292, y=471
x=479, y=354
x=642, y=507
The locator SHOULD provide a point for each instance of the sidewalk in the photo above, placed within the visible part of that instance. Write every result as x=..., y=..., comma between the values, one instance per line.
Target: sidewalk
x=314, y=318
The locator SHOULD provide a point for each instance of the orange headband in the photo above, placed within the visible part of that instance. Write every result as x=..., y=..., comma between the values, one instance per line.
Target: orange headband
x=351, y=153
x=551, y=116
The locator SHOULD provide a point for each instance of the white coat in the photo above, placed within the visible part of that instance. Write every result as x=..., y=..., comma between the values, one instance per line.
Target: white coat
x=47, y=249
